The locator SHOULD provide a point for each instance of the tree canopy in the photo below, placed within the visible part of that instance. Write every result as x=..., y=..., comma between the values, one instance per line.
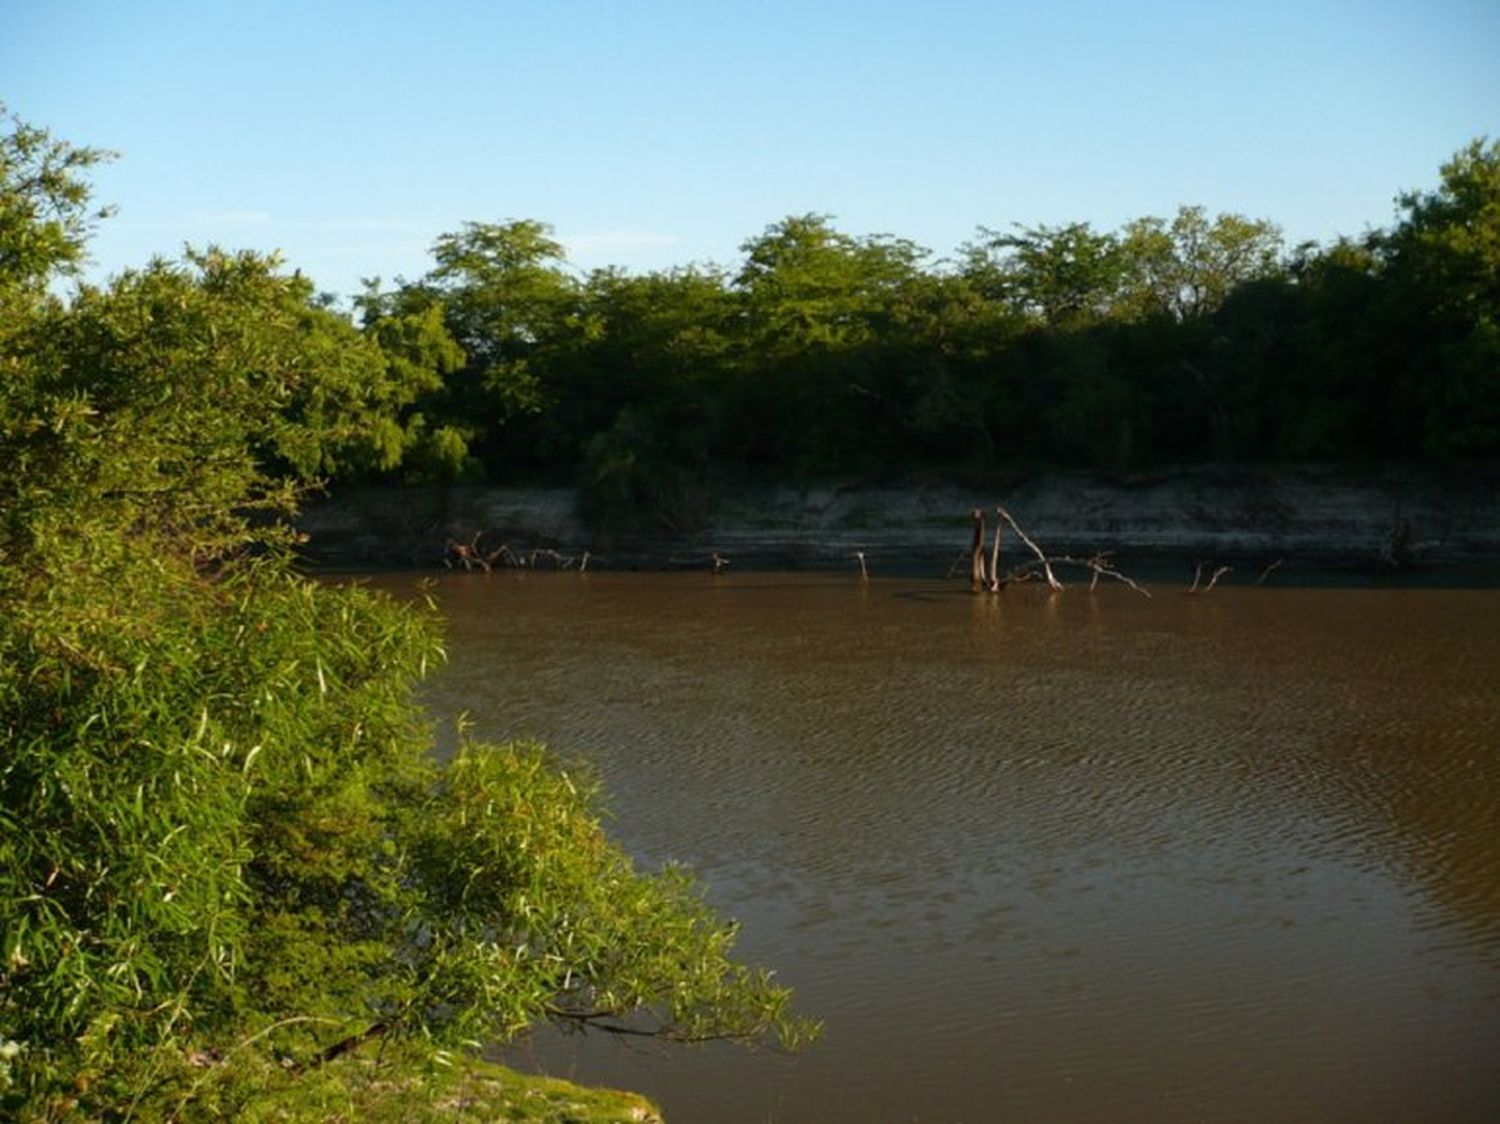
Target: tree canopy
x=226, y=847
x=1190, y=338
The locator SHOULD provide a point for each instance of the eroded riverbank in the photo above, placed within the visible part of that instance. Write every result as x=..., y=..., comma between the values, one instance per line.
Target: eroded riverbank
x=1320, y=518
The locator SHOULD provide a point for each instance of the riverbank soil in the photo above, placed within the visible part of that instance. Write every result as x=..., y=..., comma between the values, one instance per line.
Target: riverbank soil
x=1390, y=517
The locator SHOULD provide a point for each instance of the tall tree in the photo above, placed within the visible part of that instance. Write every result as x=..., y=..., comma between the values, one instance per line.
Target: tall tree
x=650, y=395
x=418, y=436
x=228, y=854
x=1062, y=277
x=45, y=215
x=1443, y=266
x=821, y=308
x=508, y=301
x=1186, y=268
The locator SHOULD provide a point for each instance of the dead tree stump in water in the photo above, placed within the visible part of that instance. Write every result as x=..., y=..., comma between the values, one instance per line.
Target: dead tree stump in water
x=995, y=581
x=988, y=579
x=977, y=578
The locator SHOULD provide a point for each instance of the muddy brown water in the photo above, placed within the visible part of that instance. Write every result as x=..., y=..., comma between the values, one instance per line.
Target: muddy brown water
x=1086, y=857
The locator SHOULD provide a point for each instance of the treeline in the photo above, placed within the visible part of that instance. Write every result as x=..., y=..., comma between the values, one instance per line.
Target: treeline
x=1192, y=339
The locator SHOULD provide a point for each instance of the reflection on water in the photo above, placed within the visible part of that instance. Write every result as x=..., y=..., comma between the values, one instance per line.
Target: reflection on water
x=1076, y=858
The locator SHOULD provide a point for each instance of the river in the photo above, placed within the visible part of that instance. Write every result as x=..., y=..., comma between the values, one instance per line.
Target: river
x=1032, y=857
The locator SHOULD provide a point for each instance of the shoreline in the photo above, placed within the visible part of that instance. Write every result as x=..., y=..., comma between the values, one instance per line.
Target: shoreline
x=1391, y=520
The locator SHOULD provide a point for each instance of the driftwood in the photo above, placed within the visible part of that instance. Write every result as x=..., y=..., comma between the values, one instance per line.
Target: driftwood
x=1218, y=573
x=1396, y=550
x=715, y=561
x=988, y=578
x=1046, y=563
x=559, y=561
x=471, y=556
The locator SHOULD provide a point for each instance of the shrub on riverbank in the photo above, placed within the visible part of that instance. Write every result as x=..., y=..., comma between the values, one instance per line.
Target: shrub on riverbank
x=224, y=842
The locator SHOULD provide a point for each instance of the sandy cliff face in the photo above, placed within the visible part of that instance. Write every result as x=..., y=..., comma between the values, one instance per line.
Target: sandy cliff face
x=1313, y=515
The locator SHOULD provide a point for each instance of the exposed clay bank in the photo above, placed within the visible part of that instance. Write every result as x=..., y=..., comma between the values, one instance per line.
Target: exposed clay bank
x=1315, y=516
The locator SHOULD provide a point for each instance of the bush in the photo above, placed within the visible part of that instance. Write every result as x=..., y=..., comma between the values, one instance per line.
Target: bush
x=225, y=843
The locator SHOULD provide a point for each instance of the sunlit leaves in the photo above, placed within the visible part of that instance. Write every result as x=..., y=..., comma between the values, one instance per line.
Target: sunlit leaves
x=224, y=839
x=45, y=214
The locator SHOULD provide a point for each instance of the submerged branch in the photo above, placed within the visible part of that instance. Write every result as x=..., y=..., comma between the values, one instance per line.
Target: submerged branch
x=982, y=577
x=1212, y=581
x=609, y=1023
x=1099, y=565
x=1052, y=581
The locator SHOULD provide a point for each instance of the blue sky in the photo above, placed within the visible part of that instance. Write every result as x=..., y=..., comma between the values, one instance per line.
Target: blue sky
x=350, y=135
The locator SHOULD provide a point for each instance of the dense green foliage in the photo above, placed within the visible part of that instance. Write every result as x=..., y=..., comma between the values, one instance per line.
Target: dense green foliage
x=225, y=843
x=1183, y=340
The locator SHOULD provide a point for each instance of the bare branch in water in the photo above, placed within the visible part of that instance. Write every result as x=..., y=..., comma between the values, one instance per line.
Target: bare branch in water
x=1052, y=581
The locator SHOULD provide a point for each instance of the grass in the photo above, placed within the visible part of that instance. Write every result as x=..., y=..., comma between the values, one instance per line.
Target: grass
x=470, y=1091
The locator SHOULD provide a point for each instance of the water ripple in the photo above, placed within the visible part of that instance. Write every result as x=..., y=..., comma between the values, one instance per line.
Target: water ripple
x=1080, y=858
